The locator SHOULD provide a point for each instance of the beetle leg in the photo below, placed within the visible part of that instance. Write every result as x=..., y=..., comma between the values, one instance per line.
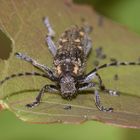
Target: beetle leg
x=98, y=103
x=49, y=37
x=44, y=68
x=48, y=88
x=97, y=97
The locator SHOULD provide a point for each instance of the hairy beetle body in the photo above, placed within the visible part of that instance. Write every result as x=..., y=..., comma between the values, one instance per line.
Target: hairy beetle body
x=70, y=57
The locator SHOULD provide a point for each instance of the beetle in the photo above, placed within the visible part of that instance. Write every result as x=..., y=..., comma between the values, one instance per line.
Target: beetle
x=70, y=57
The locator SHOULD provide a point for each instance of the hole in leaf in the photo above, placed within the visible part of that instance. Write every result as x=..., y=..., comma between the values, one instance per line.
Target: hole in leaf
x=5, y=46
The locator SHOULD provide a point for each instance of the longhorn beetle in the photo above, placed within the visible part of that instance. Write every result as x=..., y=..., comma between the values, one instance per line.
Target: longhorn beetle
x=69, y=75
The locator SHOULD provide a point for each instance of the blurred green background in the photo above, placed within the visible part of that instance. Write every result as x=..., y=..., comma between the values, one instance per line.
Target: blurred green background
x=126, y=12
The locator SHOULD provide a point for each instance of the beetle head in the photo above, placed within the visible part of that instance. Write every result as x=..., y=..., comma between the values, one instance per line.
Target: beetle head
x=68, y=86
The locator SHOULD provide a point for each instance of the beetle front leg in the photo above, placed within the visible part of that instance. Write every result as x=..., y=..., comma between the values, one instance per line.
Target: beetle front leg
x=48, y=88
x=85, y=86
x=91, y=76
x=98, y=104
x=97, y=97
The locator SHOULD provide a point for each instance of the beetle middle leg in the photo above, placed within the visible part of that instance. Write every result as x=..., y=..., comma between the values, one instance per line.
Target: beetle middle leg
x=44, y=68
x=94, y=75
x=48, y=88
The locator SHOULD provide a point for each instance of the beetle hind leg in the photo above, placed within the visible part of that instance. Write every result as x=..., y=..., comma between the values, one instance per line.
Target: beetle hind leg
x=49, y=37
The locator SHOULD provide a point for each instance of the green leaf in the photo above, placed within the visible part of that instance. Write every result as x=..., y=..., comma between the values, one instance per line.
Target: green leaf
x=22, y=22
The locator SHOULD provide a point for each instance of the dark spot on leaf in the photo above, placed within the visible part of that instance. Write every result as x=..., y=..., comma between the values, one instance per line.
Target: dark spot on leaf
x=116, y=77
x=83, y=19
x=99, y=53
x=103, y=56
x=96, y=63
x=5, y=46
x=68, y=107
x=113, y=59
x=100, y=21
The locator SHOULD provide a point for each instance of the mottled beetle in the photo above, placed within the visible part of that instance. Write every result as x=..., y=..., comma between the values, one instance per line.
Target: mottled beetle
x=70, y=57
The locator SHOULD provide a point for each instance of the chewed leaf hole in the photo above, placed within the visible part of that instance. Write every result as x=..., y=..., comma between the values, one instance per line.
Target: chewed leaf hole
x=5, y=46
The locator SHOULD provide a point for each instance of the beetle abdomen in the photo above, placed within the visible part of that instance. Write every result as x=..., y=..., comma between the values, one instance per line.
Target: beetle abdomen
x=70, y=56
